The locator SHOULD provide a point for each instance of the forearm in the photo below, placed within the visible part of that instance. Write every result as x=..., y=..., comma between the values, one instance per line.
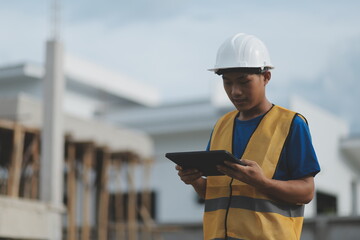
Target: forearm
x=292, y=191
x=200, y=187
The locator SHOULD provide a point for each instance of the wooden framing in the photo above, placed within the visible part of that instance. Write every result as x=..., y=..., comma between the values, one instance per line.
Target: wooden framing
x=16, y=161
x=71, y=190
x=84, y=160
x=87, y=161
x=120, y=231
x=132, y=201
x=103, y=194
x=30, y=167
x=36, y=167
x=146, y=202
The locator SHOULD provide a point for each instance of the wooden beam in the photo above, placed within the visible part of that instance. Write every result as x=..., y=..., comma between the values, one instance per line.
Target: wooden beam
x=119, y=203
x=9, y=125
x=132, y=202
x=29, y=162
x=16, y=161
x=36, y=167
x=103, y=196
x=146, y=201
x=71, y=191
x=86, y=177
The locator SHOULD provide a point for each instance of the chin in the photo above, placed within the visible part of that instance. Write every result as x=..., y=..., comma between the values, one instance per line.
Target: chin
x=241, y=108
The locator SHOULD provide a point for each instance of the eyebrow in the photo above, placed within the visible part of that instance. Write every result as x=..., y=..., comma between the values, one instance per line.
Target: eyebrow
x=238, y=78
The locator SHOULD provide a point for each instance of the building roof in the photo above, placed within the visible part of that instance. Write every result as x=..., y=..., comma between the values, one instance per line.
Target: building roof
x=108, y=81
x=88, y=77
x=21, y=70
x=170, y=118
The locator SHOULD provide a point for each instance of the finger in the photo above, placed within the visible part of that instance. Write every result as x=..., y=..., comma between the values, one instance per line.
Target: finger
x=191, y=178
x=179, y=168
x=191, y=170
x=219, y=167
x=231, y=164
x=226, y=170
x=223, y=169
x=247, y=162
x=235, y=166
x=188, y=172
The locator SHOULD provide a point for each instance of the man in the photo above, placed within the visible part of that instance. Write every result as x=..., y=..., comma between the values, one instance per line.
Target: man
x=264, y=199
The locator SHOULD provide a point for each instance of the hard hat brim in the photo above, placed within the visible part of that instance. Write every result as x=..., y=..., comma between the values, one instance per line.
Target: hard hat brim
x=248, y=70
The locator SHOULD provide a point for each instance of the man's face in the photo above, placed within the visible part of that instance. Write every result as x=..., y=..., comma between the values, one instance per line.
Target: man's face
x=245, y=91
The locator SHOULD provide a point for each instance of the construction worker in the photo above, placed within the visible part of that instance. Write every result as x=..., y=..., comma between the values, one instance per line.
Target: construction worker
x=264, y=199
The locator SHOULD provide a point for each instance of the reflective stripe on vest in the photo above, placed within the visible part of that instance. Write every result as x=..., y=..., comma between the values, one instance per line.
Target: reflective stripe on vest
x=235, y=210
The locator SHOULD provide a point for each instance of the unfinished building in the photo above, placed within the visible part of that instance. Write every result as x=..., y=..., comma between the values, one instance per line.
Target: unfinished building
x=106, y=169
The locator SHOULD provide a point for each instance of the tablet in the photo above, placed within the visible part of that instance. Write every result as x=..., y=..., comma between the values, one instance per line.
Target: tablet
x=204, y=161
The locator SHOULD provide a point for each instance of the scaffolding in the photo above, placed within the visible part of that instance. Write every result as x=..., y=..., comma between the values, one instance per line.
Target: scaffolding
x=93, y=210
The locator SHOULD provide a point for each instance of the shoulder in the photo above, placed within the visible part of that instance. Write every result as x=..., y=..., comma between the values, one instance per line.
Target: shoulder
x=300, y=123
x=282, y=110
x=300, y=132
x=298, y=119
x=227, y=117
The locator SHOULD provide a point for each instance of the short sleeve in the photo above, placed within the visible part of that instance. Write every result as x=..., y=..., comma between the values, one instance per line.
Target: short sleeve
x=298, y=158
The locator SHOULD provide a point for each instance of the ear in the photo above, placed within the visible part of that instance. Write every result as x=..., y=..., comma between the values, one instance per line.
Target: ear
x=267, y=77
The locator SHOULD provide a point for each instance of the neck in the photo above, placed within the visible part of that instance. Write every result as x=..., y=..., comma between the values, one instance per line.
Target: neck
x=255, y=111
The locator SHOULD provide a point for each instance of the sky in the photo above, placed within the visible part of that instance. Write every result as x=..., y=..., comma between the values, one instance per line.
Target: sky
x=170, y=44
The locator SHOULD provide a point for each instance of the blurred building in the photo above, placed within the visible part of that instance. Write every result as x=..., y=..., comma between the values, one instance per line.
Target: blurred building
x=103, y=162
x=99, y=97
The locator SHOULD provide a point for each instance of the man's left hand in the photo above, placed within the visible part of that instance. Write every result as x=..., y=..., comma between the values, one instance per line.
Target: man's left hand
x=251, y=174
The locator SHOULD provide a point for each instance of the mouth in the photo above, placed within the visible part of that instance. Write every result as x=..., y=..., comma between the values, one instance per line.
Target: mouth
x=239, y=101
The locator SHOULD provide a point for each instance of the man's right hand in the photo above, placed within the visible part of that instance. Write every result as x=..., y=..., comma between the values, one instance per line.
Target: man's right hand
x=193, y=177
x=188, y=176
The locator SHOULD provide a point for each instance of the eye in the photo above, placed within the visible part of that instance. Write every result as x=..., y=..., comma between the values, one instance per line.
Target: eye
x=244, y=82
x=227, y=82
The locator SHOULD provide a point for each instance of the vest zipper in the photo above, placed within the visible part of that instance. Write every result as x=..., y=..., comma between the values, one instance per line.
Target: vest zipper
x=228, y=207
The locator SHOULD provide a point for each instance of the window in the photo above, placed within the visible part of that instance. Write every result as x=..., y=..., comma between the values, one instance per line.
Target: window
x=326, y=204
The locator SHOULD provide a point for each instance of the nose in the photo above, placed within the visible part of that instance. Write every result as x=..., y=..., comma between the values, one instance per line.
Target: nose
x=236, y=90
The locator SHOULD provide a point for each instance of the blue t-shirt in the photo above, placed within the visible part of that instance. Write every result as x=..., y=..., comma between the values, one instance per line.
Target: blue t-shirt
x=298, y=158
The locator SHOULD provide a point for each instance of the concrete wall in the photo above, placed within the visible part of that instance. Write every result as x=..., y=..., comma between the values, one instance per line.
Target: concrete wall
x=14, y=87
x=26, y=219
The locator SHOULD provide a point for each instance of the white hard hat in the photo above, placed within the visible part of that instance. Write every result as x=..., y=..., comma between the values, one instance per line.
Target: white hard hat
x=244, y=52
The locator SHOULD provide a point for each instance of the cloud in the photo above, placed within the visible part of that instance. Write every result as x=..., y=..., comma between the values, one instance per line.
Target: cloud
x=337, y=88
x=174, y=50
x=169, y=44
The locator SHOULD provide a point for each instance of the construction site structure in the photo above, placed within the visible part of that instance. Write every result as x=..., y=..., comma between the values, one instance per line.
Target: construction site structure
x=103, y=197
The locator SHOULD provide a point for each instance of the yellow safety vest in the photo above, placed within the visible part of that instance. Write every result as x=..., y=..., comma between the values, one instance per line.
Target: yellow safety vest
x=235, y=210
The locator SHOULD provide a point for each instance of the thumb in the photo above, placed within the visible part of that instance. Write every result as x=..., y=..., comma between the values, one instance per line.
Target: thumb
x=247, y=162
